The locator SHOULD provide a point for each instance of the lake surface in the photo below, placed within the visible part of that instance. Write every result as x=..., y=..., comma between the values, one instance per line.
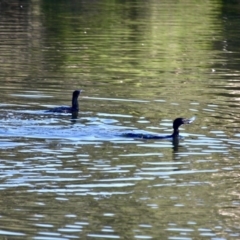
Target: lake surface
x=141, y=64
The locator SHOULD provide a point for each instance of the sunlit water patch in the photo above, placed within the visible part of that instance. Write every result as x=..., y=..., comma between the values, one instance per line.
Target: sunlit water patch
x=89, y=159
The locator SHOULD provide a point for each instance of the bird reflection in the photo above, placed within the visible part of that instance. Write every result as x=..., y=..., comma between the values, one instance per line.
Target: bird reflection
x=74, y=117
x=175, y=156
x=175, y=143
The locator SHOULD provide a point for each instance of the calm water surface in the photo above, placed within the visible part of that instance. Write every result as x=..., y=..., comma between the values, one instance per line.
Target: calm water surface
x=141, y=64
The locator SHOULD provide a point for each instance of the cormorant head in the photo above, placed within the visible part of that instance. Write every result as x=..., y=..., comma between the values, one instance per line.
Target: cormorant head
x=178, y=122
x=76, y=93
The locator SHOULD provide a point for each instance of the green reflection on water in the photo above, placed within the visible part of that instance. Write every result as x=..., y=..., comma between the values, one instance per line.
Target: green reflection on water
x=128, y=39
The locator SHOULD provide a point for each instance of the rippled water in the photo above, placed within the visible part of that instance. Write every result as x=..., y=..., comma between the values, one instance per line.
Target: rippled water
x=141, y=64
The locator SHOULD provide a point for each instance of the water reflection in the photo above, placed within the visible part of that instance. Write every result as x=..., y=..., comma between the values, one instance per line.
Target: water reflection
x=102, y=175
x=175, y=143
x=79, y=156
x=72, y=176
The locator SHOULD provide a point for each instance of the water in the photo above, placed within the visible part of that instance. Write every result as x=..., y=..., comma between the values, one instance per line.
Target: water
x=141, y=64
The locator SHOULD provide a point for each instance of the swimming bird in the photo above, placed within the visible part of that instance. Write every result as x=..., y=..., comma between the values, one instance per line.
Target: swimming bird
x=176, y=124
x=66, y=109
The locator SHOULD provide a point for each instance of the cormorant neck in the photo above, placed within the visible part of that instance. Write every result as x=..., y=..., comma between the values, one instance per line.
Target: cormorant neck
x=75, y=103
x=175, y=133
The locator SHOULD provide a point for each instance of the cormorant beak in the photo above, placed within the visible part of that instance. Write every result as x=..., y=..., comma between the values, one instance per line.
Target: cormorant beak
x=188, y=121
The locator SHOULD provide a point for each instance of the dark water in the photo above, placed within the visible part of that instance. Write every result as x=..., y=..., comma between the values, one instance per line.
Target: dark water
x=141, y=64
